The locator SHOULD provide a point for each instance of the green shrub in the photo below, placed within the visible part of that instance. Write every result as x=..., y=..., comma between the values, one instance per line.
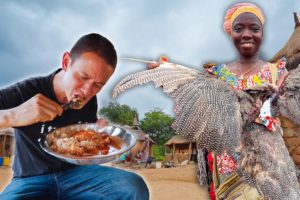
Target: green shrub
x=159, y=158
x=158, y=152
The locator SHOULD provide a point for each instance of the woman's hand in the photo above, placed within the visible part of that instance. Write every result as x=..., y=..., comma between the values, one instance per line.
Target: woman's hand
x=102, y=122
x=157, y=63
x=153, y=65
x=273, y=88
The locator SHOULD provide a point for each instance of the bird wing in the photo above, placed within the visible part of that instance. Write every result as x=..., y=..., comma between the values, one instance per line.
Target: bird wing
x=289, y=102
x=168, y=75
x=207, y=111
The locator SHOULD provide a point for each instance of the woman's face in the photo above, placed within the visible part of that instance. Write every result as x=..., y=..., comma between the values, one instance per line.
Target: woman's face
x=247, y=34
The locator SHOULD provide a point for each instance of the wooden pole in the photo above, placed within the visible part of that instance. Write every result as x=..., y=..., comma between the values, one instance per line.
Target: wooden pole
x=190, y=151
x=3, y=147
x=173, y=151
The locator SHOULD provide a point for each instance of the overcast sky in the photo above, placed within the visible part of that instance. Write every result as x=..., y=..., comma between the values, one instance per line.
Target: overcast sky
x=35, y=34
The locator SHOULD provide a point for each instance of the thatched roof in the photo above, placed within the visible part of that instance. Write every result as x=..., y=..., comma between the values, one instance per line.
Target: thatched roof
x=177, y=139
x=136, y=121
x=139, y=134
x=291, y=50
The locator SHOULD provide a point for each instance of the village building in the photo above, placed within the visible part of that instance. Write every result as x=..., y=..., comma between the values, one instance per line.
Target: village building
x=140, y=138
x=6, y=146
x=179, y=149
x=291, y=51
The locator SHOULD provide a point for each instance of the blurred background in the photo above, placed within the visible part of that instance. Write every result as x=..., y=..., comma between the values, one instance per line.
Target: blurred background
x=35, y=34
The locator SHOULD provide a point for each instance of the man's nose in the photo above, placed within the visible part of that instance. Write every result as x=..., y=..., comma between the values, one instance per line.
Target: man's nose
x=87, y=89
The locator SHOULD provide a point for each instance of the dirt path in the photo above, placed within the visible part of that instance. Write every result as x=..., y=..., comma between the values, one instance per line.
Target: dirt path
x=5, y=176
x=164, y=184
x=173, y=183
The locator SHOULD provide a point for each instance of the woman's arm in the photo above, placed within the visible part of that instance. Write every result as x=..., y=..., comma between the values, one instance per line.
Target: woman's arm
x=282, y=78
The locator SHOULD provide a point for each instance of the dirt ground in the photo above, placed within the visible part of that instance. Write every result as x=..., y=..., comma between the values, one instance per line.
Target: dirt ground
x=164, y=184
x=5, y=176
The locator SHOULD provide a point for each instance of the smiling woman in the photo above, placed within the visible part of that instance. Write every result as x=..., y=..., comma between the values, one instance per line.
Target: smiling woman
x=247, y=34
x=244, y=26
x=248, y=157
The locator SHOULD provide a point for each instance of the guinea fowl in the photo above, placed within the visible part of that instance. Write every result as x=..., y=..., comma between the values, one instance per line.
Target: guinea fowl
x=218, y=117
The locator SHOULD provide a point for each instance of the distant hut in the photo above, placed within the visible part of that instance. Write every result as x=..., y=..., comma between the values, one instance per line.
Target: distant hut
x=291, y=50
x=140, y=137
x=180, y=149
x=6, y=142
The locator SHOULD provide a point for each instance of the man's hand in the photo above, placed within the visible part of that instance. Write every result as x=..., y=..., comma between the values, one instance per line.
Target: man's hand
x=37, y=109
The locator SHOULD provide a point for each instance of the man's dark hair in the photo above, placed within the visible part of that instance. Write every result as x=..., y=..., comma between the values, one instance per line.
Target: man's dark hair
x=97, y=44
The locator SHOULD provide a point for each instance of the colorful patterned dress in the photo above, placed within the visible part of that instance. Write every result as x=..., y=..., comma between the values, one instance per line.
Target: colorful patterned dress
x=226, y=164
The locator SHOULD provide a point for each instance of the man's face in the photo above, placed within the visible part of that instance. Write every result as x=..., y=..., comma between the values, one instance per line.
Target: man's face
x=85, y=76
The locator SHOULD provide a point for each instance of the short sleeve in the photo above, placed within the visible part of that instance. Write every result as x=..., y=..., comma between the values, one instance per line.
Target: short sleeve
x=211, y=68
x=17, y=94
x=10, y=97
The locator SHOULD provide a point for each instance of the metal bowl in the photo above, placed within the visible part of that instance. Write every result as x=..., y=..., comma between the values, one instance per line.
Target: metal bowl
x=128, y=141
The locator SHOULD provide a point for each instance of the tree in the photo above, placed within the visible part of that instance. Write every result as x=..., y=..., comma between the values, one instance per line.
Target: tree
x=158, y=125
x=119, y=114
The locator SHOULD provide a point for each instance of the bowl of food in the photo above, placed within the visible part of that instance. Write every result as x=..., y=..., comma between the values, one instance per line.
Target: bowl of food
x=88, y=143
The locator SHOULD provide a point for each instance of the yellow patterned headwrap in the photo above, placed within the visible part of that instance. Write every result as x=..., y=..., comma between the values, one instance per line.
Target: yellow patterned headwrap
x=238, y=9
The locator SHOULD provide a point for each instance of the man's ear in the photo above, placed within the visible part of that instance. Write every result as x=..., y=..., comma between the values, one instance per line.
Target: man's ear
x=66, y=61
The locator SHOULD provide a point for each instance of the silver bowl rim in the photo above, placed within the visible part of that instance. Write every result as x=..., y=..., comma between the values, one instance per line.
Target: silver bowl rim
x=42, y=141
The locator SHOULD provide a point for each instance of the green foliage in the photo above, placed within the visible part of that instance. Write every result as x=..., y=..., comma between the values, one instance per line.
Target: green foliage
x=160, y=158
x=158, y=152
x=119, y=114
x=158, y=125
